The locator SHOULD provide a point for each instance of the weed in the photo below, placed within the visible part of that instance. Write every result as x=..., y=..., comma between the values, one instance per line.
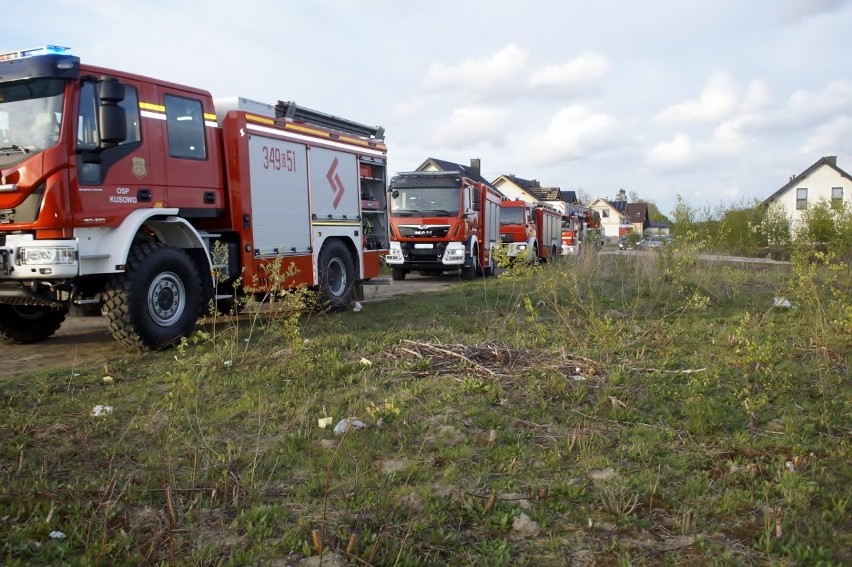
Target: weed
x=716, y=421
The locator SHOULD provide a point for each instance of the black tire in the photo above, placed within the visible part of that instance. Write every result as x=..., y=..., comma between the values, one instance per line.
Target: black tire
x=336, y=275
x=398, y=274
x=157, y=300
x=469, y=272
x=492, y=267
x=25, y=324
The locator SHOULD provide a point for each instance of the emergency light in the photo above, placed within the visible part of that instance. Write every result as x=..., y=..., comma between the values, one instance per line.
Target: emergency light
x=43, y=50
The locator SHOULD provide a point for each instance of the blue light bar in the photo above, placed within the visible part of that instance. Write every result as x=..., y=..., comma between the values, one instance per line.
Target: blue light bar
x=43, y=50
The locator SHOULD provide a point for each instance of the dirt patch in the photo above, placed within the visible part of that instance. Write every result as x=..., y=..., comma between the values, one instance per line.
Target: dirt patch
x=85, y=343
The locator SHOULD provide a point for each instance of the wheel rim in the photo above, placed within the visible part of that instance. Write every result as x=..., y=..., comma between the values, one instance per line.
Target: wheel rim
x=335, y=277
x=166, y=299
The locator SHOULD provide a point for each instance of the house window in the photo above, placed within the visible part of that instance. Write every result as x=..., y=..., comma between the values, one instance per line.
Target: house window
x=837, y=197
x=626, y=221
x=801, y=199
x=185, y=123
x=605, y=213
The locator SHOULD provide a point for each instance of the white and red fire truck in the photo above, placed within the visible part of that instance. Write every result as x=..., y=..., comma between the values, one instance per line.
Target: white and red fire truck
x=116, y=188
x=581, y=227
x=530, y=231
x=442, y=221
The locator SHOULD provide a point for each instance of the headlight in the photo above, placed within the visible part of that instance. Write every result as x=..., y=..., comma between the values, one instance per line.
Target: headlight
x=31, y=256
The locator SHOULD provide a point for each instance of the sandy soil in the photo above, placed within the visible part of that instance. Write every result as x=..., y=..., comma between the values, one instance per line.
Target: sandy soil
x=85, y=342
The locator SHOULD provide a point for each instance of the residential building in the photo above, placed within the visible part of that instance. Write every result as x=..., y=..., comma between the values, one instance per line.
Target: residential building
x=639, y=218
x=823, y=181
x=473, y=170
x=614, y=219
x=515, y=188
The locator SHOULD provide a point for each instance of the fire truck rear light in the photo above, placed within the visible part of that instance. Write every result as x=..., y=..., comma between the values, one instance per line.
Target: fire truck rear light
x=32, y=256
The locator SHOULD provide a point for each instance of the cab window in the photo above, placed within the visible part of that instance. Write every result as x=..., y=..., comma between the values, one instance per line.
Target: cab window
x=185, y=124
x=87, y=121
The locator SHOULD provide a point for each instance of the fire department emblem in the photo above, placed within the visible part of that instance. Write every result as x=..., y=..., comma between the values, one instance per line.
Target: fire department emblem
x=139, y=168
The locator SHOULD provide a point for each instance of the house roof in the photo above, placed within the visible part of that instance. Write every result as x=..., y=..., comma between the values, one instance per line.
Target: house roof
x=620, y=206
x=525, y=184
x=445, y=165
x=830, y=161
x=547, y=193
x=610, y=204
x=637, y=212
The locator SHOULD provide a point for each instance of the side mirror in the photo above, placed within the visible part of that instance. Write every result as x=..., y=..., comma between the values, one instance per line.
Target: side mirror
x=112, y=119
x=112, y=125
x=110, y=90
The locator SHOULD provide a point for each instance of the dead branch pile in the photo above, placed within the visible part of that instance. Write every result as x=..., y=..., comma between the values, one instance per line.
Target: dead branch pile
x=491, y=360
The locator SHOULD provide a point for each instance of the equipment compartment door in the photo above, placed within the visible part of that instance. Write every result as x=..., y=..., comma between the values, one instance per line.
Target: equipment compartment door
x=334, y=184
x=279, y=196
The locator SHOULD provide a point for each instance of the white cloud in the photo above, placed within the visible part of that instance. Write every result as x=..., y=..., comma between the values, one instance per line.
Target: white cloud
x=758, y=97
x=471, y=125
x=836, y=97
x=676, y=154
x=717, y=100
x=793, y=11
x=831, y=138
x=574, y=132
x=500, y=72
x=578, y=73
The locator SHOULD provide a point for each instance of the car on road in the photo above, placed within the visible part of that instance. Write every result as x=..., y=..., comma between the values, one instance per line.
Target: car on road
x=652, y=242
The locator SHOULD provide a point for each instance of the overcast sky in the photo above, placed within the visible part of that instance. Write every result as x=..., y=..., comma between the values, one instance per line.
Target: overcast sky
x=720, y=101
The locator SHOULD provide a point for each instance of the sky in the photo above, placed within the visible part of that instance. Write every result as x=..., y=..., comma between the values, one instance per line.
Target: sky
x=719, y=102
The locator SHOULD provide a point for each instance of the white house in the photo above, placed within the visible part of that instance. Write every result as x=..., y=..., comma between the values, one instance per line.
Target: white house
x=823, y=181
x=531, y=191
x=515, y=188
x=614, y=218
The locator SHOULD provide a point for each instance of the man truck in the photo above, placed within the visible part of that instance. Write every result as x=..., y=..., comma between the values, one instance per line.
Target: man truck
x=442, y=221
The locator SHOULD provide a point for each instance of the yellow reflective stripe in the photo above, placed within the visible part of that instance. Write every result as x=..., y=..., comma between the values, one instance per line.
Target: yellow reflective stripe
x=208, y=116
x=152, y=106
x=261, y=119
x=315, y=132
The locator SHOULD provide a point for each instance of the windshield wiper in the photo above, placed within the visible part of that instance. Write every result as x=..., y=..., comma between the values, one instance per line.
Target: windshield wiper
x=440, y=212
x=21, y=149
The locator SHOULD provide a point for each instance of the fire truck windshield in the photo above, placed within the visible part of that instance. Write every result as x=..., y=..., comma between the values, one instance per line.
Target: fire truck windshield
x=512, y=215
x=425, y=201
x=30, y=116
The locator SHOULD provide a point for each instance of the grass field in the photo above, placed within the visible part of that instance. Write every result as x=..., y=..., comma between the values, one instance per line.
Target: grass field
x=606, y=410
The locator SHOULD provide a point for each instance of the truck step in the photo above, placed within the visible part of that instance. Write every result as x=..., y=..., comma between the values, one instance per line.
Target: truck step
x=378, y=281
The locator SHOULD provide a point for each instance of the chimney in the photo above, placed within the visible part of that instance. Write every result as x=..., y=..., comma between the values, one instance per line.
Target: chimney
x=831, y=159
x=475, y=168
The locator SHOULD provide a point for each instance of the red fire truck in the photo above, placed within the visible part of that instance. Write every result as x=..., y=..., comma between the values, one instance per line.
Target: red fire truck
x=530, y=231
x=441, y=221
x=116, y=189
x=581, y=227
